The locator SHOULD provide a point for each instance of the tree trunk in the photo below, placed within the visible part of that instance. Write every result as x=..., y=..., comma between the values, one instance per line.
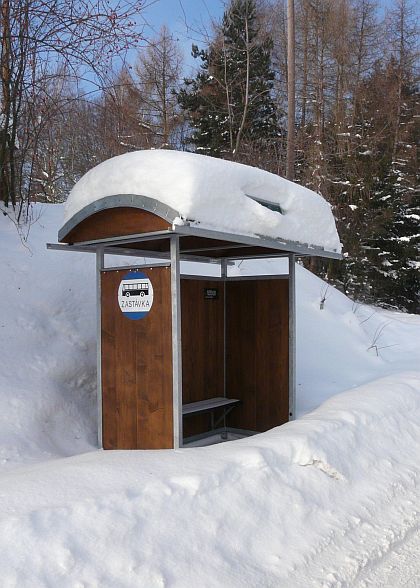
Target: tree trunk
x=305, y=68
x=290, y=170
x=246, y=101
x=6, y=103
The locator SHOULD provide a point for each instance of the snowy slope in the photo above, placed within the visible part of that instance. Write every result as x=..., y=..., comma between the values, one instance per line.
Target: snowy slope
x=48, y=347
x=323, y=501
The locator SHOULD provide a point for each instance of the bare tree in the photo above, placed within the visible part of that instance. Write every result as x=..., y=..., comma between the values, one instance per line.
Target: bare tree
x=402, y=34
x=290, y=170
x=158, y=71
x=41, y=40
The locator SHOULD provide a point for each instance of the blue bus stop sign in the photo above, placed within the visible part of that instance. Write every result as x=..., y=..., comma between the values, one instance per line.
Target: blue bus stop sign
x=135, y=295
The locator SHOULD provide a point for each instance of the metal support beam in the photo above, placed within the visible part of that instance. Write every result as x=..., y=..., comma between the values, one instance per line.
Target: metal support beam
x=117, y=250
x=137, y=266
x=292, y=338
x=152, y=236
x=223, y=275
x=258, y=241
x=176, y=342
x=99, y=267
x=233, y=258
x=223, y=247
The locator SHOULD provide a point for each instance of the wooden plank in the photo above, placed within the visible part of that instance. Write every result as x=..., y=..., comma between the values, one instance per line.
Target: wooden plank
x=109, y=408
x=115, y=222
x=272, y=352
x=240, y=351
x=154, y=369
x=202, y=347
x=217, y=248
x=257, y=352
x=137, y=368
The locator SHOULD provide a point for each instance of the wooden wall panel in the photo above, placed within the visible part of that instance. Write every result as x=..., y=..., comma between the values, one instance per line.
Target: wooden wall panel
x=258, y=352
x=202, y=347
x=137, y=368
x=240, y=352
x=115, y=222
x=272, y=350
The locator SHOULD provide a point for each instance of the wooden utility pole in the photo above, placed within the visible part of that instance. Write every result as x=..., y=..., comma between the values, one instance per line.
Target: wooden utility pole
x=5, y=104
x=290, y=170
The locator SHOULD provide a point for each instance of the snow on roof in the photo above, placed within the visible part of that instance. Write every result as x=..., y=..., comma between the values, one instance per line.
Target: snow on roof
x=213, y=194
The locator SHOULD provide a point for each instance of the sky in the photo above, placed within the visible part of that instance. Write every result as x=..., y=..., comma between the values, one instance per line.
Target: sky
x=188, y=20
x=182, y=16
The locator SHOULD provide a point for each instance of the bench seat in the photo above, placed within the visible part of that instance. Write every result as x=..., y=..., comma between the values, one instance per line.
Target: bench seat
x=209, y=405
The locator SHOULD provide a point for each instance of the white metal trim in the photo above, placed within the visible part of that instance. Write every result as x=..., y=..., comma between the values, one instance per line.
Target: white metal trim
x=176, y=342
x=99, y=267
x=235, y=278
x=137, y=266
x=224, y=277
x=292, y=337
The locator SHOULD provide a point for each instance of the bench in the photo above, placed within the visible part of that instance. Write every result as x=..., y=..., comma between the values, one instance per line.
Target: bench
x=210, y=405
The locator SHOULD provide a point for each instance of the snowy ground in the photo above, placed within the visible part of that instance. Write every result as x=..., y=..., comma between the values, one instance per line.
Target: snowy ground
x=330, y=500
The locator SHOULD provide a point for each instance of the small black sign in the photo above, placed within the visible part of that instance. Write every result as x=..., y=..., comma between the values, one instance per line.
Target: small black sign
x=211, y=293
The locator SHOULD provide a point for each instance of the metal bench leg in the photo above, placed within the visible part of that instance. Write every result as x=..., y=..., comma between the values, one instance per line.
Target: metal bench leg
x=226, y=411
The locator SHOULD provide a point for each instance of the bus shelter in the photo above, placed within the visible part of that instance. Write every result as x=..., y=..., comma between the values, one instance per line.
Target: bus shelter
x=189, y=349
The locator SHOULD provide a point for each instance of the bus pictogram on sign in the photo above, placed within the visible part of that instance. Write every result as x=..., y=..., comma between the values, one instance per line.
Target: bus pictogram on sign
x=138, y=289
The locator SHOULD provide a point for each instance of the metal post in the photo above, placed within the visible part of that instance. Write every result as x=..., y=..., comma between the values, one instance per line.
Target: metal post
x=292, y=338
x=176, y=342
x=223, y=275
x=99, y=267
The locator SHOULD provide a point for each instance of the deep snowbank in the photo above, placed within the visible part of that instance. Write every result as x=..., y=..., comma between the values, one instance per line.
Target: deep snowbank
x=271, y=510
x=312, y=503
x=48, y=347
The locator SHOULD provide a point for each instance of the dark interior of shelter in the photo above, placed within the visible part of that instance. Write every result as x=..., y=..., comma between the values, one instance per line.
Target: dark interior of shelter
x=235, y=342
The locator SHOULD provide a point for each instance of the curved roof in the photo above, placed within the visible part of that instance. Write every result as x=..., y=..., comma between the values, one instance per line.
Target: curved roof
x=205, y=192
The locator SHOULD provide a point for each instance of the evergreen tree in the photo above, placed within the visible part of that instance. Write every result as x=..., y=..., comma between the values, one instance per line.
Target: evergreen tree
x=394, y=247
x=383, y=230
x=392, y=251
x=229, y=104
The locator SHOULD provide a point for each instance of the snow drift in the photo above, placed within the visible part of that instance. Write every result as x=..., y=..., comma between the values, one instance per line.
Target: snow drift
x=306, y=504
x=213, y=193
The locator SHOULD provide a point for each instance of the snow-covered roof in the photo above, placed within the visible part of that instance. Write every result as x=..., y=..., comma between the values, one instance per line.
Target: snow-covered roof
x=213, y=194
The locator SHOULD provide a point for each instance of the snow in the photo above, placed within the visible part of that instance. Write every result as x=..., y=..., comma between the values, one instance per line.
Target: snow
x=407, y=239
x=214, y=194
x=330, y=500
